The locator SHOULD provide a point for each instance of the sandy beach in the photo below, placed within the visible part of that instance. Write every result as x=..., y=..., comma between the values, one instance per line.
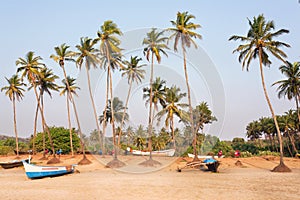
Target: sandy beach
x=252, y=180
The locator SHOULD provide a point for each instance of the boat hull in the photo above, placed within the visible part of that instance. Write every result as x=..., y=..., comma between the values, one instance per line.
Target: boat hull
x=169, y=153
x=12, y=164
x=35, y=172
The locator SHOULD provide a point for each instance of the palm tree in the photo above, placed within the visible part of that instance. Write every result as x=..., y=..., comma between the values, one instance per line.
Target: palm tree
x=14, y=91
x=118, y=108
x=69, y=88
x=183, y=32
x=45, y=82
x=155, y=44
x=109, y=48
x=133, y=72
x=62, y=55
x=88, y=54
x=158, y=93
x=29, y=66
x=173, y=106
x=259, y=40
x=290, y=126
x=290, y=87
x=202, y=115
x=253, y=130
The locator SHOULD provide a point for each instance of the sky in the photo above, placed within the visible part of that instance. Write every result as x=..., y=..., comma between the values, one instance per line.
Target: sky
x=235, y=96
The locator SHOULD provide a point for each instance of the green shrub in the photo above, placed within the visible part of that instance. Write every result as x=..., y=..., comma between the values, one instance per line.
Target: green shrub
x=5, y=150
x=246, y=154
x=268, y=153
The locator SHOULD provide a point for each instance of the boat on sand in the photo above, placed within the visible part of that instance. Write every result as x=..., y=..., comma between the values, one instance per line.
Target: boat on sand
x=35, y=171
x=168, y=152
x=12, y=164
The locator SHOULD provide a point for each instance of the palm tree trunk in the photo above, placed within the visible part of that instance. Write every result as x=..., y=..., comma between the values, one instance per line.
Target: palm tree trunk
x=150, y=110
x=44, y=140
x=189, y=100
x=79, y=128
x=297, y=107
x=125, y=108
x=43, y=118
x=75, y=111
x=112, y=115
x=270, y=107
x=173, y=135
x=293, y=143
x=34, y=128
x=69, y=123
x=104, y=114
x=92, y=99
x=15, y=125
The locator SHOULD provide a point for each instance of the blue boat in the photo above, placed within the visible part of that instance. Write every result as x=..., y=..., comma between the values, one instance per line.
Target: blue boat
x=35, y=171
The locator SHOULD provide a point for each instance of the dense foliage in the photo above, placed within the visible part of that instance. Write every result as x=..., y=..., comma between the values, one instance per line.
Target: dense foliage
x=61, y=140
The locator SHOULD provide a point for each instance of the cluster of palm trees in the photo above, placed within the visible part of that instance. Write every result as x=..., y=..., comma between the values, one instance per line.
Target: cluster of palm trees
x=108, y=56
x=104, y=52
x=264, y=127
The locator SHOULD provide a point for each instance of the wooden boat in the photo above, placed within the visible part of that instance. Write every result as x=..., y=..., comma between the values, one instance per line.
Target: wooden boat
x=203, y=156
x=35, y=171
x=168, y=152
x=23, y=152
x=210, y=163
x=12, y=164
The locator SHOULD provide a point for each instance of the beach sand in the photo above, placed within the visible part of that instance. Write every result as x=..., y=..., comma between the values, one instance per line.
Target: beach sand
x=252, y=180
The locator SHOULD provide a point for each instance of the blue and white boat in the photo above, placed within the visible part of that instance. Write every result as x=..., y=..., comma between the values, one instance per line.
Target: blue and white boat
x=35, y=171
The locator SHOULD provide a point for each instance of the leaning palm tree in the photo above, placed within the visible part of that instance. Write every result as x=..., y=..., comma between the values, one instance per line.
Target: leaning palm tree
x=45, y=82
x=183, y=32
x=258, y=41
x=14, y=91
x=69, y=88
x=290, y=87
x=155, y=45
x=29, y=66
x=172, y=107
x=133, y=72
x=62, y=55
x=111, y=59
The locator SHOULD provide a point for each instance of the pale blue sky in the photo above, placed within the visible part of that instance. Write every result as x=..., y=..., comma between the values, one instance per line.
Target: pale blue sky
x=39, y=26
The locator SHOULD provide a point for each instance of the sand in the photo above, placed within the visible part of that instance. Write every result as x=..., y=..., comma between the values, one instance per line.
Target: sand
x=252, y=180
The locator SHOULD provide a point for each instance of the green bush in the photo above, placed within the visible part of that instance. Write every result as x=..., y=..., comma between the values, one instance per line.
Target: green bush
x=268, y=153
x=246, y=154
x=5, y=150
x=61, y=140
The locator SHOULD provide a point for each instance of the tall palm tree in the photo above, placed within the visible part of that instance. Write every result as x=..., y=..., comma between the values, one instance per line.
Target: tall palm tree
x=14, y=91
x=62, y=55
x=133, y=72
x=69, y=88
x=111, y=54
x=29, y=66
x=172, y=107
x=183, y=32
x=258, y=41
x=88, y=54
x=290, y=87
x=155, y=45
x=45, y=82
